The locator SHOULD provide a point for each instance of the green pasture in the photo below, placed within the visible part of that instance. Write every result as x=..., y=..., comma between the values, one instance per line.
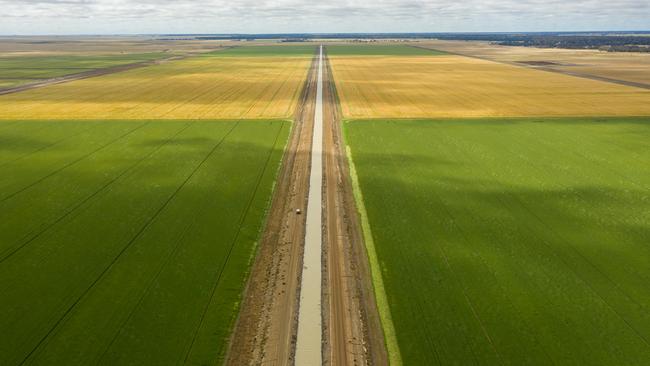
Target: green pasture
x=128, y=242
x=510, y=241
x=283, y=50
x=373, y=49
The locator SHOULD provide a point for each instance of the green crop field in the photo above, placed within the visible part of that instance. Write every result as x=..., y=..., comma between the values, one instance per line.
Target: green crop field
x=379, y=50
x=128, y=242
x=510, y=241
x=332, y=50
x=18, y=70
x=288, y=50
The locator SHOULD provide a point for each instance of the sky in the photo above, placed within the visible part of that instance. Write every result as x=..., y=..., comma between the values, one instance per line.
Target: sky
x=308, y=16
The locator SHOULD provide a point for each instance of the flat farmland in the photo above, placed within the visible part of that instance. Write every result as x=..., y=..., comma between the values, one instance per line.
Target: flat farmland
x=509, y=241
x=129, y=242
x=22, y=69
x=212, y=86
x=301, y=50
x=102, y=45
x=627, y=66
x=382, y=49
x=449, y=86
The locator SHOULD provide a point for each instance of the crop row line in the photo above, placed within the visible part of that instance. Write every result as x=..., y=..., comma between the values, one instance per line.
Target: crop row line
x=458, y=279
x=553, y=253
x=54, y=143
x=234, y=241
x=72, y=162
x=570, y=245
x=169, y=256
x=74, y=207
x=133, y=239
x=478, y=218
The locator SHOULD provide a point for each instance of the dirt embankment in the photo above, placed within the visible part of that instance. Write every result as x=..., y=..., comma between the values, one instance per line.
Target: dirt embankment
x=352, y=329
x=265, y=331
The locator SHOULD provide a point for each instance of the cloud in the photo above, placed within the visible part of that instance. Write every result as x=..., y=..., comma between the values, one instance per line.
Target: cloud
x=222, y=16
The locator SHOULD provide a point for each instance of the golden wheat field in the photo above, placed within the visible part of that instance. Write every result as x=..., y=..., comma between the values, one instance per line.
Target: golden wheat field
x=627, y=66
x=456, y=86
x=194, y=88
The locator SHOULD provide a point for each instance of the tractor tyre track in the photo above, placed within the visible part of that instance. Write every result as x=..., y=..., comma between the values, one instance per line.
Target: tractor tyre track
x=352, y=329
x=265, y=330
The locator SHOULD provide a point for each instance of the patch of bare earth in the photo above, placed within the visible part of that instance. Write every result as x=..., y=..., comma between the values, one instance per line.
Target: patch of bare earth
x=352, y=329
x=265, y=330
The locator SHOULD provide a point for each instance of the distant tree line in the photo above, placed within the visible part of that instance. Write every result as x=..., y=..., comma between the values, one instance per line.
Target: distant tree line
x=619, y=43
x=606, y=41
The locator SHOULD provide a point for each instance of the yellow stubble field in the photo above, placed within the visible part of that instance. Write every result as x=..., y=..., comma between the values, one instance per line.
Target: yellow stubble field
x=626, y=66
x=450, y=86
x=194, y=88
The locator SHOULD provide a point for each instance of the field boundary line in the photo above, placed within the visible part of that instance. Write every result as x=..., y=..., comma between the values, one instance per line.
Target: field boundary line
x=94, y=72
x=390, y=336
x=504, y=119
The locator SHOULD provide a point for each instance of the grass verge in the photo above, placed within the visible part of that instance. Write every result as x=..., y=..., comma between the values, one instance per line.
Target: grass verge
x=510, y=241
x=394, y=356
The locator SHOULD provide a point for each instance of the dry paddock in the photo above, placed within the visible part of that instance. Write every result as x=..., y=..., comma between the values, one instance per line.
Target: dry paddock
x=457, y=86
x=206, y=87
x=626, y=66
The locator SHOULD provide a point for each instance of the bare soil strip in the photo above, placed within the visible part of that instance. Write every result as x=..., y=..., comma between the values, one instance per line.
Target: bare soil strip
x=353, y=334
x=265, y=331
x=309, y=336
x=586, y=76
x=547, y=67
x=86, y=75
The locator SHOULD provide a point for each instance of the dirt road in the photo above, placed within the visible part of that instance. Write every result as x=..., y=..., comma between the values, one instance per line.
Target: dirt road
x=353, y=334
x=267, y=327
x=265, y=331
x=547, y=68
x=86, y=75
